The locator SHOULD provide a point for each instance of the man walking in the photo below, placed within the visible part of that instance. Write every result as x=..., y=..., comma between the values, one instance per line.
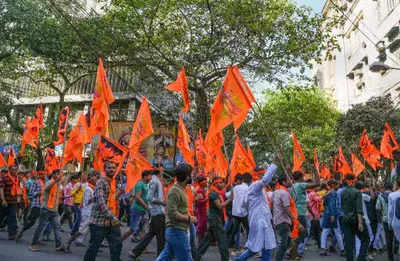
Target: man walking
x=9, y=195
x=157, y=221
x=104, y=222
x=178, y=219
x=49, y=211
x=353, y=221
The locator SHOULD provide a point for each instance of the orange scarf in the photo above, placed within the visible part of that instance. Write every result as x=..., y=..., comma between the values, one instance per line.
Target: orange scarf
x=15, y=188
x=112, y=201
x=293, y=210
x=52, y=198
x=92, y=186
x=25, y=195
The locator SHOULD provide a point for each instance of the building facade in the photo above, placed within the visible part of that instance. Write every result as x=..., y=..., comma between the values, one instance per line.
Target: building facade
x=368, y=33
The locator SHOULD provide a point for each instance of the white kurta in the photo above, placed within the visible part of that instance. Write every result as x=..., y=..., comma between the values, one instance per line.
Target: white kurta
x=261, y=233
x=393, y=221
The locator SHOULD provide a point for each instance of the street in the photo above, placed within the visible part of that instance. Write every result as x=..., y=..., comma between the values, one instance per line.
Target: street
x=12, y=251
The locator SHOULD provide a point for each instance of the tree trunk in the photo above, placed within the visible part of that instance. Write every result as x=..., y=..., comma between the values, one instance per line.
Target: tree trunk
x=202, y=109
x=40, y=160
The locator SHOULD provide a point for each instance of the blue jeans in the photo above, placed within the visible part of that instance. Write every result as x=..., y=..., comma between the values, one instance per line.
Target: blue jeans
x=77, y=219
x=136, y=217
x=97, y=235
x=192, y=237
x=228, y=226
x=53, y=218
x=176, y=245
x=265, y=256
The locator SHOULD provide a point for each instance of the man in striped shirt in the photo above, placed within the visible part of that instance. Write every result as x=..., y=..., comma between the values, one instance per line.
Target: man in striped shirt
x=34, y=194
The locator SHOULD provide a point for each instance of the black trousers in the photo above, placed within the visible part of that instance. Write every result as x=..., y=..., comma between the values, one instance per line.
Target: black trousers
x=316, y=231
x=97, y=235
x=350, y=231
x=157, y=229
x=236, y=222
x=31, y=219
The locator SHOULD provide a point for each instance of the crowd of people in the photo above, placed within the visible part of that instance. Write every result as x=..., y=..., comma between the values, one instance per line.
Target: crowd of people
x=273, y=214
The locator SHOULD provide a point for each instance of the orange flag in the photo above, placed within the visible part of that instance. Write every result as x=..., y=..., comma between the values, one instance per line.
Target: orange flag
x=39, y=116
x=78, y=137
x=109, y=150
x=204, y=159
x=246, y=89
x=3, y=162
x=358, y=167
x=180, y=85
x=251, y=157
x=11, y=157
x=231, y=105
x=183, y=143
x=298, y=154
x=369, y=151
x=316, y=162
x=325, y=172
x=62, y=126
x=240, y=162
x=220, y=163
x=51, y=162
x=388, y=142
x=342, y=165
x=142, y=128
x=30, y=135
x=136, y=164
x=102, y=98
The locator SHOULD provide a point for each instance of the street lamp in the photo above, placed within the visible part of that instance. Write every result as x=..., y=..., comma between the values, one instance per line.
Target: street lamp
x=381, y=67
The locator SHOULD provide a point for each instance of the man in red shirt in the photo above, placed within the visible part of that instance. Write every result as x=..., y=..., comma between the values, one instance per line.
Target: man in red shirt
x=9, y=190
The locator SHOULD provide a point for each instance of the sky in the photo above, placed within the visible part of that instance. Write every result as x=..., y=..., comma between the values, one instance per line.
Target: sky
x=315, y=4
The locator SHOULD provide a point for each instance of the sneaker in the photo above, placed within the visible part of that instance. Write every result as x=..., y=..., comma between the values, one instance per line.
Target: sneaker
x=324, y=253
x=342, y=253
x=60, y=248
x=34, y=248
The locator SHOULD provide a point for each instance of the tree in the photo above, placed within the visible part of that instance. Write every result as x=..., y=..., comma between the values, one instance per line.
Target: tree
x=267, y=39
x=371, y=116
x=305, y=110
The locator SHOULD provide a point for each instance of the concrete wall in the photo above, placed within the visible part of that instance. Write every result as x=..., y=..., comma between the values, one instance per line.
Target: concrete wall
x=345, y=75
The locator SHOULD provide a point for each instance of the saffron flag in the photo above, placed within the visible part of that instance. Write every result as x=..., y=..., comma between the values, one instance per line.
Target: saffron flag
x=342, y=165
x=136, y=164
x=251, y=157
x=388, y=142
x=298, y=154
x=78, y=137
x=102, y=98
x=316, y=163
x=204, y=160
x=369, y=151
x=240, y=162
x=180, y=85
x=51, y=162
x=220, y=163
x=109, y=150
x=30, y=135
x=183, y=143
x=11, y=157
x=142, y=128
x=3, y=162
x=325, y=172
x=231, y=105
x=39, y=116
x=358, y=166
x=62, y=126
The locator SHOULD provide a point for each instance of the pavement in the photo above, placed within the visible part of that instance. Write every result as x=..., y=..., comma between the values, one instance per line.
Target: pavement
x=12, y=251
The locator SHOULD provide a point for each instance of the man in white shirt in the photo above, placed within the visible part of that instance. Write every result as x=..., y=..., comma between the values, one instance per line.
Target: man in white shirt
x=239, y=207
